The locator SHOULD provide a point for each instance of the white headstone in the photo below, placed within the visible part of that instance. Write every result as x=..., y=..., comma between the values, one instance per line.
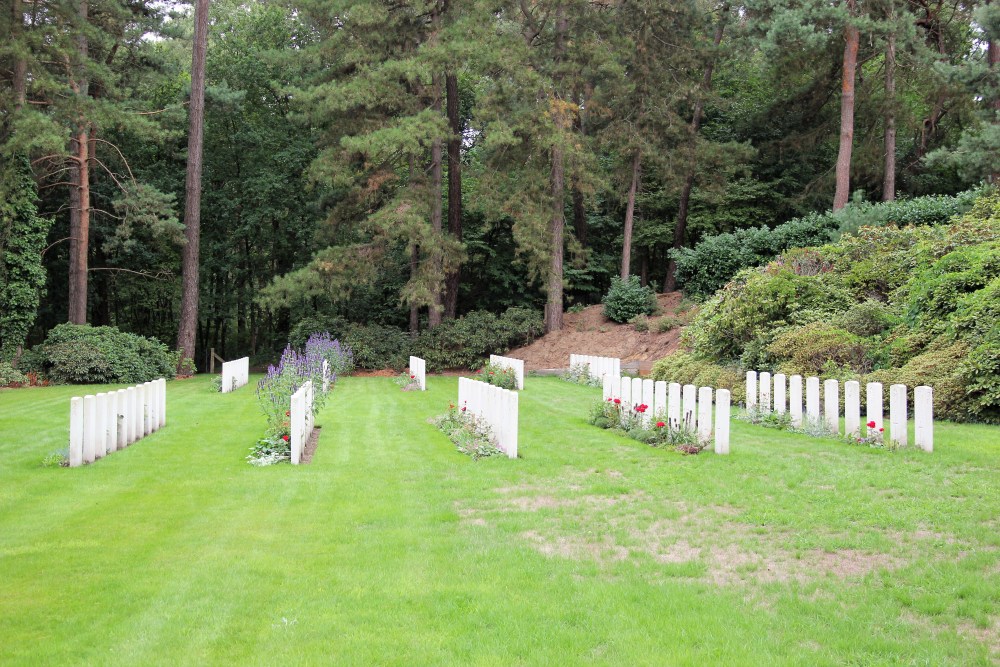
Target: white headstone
x=765, y=392
x=132, y=403
x=89, y=428
x=122, y=419
x=897, y=414
x=101, y=425
x=111, y=423
x=852, y=409
x=674, y=405
x=636, y=391
x=722, y=421
x=649, y=399
x=163, y=400
x=608, y=387
x=704, y=414
x=795, y=400
x=626, y=393
x=812, y=401
x=873, y=409
x=75, y=432
x=689, y=403
x=660, y=400
x=923, y=418
x=831, y=406
x=751, y=390
x=779, y=393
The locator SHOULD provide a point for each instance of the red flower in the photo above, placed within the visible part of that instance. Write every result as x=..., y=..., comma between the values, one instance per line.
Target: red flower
x=618, y=401
x=491, y=372
x=660, y=424
x=412, y=376
x=480, y=370
x=641, y=407
x=285, y=438
x=609, y=400
x=881, y=430
x=871, y=424
x=288, y=413
x=463, y=408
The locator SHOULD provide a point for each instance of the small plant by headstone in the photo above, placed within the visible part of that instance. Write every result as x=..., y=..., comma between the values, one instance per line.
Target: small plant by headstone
x=580, y=374
x=500, y=376
x=470, y=434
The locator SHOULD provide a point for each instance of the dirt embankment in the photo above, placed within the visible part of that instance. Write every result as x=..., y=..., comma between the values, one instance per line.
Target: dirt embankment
x=589, y=332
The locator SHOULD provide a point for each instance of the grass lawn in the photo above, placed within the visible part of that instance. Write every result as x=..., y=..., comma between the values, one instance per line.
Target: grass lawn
x=392, y=548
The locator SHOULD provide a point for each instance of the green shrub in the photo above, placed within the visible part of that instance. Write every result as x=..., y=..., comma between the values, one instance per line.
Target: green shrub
x=981, y=375
x=938, y=290
x=10, y=375
x=464, y=342
x=377, y=346
x=313, y=324
x=868, y=318
x=715, y=260
x=640, y=323
x=627, y=298
x=686, y=368
x=81, y=354
x=808, y=349
x=940, y=366
x=669, y=323
x=756, y=304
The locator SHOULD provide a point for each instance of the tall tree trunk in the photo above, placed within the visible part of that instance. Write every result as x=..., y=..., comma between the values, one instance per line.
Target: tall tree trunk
x=889, y=178
x=453, y=280
x=993, y=60
x=554, y=286
x=79, y=244
x=192, y=199
x=852, y=38
x=436, y=308
x=680, y=229
x=414, y=308
x=629, y=215
x=20, y=75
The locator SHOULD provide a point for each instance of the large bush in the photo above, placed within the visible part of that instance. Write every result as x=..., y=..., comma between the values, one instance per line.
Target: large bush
x=711, y=263
x=81, y=354
x=378, y=346
x=628, y=298
x=464, y=342
x=685, y=368
x=916, y=305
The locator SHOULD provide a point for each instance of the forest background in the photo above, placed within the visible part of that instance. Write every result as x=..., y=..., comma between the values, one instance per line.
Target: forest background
x=384, y=167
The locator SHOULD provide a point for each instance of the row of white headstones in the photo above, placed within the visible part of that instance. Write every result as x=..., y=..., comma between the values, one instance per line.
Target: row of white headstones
x=598, y=367
x=104, y=423
x=687, y=407
x=762, y=388
x=495, y=406
x=235, y=374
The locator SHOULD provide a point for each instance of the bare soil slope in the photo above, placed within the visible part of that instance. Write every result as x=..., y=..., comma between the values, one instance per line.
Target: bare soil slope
x=589, y=332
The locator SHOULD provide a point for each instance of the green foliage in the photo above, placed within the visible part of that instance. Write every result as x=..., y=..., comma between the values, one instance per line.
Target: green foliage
x=809, y=348
x=755, y=304
x=81, y=354
x=685, y=368
x=10, y=375
x=22, y=238
x=378, y=346
x=498, y=375
x=640, y=323
x=842, y=318
x=627, y=299
x=580, y=374
x=940, y=288
x=464, y=342
x=716, y=259
x=472, y=436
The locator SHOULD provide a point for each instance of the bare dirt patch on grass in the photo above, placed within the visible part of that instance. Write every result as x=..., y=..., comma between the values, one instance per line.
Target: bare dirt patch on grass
x=611, y=528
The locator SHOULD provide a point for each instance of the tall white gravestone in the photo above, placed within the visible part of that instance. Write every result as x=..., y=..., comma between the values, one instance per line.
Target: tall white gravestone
x=812, y=401
x=674, y=405
x=660, y=400
x=795, y=400
x=923, y=418
x=689, y=402
x=831, y=406
x=75, y=432
x=765, y=392
x=722, y=421
x=779, y=393
x=751, y=390
x=852, y=409
x=704, y=414
x=897, y=414
x=873, y=409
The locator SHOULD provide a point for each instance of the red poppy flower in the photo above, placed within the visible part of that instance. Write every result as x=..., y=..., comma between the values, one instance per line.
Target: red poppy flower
x=285, y=438
x=463, y=408
x=660, y=424
x=881, y=430
x=871, y=424
x=618, y=401
x=412, y=376
x=609, y=400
